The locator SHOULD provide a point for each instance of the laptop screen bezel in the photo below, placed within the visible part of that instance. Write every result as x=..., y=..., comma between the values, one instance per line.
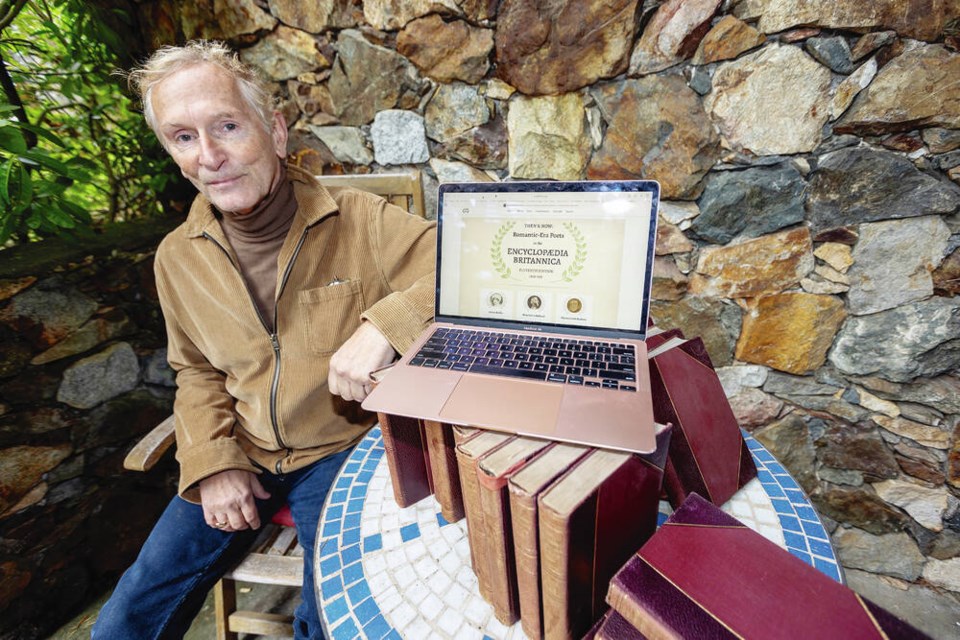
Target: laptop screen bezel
x=587, y=186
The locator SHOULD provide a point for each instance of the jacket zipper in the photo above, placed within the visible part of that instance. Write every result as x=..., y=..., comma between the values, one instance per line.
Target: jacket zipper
x=274, y=338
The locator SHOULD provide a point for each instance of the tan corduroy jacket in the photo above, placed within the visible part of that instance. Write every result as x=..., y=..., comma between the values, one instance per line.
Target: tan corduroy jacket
x=245, y=395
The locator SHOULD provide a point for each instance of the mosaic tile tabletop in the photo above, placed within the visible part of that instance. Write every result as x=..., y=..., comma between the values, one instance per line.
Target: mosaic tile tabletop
x=387, y=572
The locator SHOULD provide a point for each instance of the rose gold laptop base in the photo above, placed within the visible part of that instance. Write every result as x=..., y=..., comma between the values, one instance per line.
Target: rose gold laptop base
x=607, y=418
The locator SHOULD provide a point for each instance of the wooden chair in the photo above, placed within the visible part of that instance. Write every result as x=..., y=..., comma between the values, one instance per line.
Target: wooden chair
x=275, y=558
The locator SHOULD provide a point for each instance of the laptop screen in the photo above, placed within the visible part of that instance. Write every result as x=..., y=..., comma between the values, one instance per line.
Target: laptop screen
x=575, y=257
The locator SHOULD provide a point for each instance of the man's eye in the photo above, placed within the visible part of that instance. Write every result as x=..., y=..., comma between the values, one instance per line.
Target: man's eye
x=183, y=138
x=231, y=126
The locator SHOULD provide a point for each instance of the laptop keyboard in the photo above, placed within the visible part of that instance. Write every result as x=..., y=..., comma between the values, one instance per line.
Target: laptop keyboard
x=591, y=363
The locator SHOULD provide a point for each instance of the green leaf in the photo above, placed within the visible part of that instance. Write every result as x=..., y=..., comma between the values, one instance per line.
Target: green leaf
x=59, y=217
x=12, y=140
x=8, y=224
x=45, y=160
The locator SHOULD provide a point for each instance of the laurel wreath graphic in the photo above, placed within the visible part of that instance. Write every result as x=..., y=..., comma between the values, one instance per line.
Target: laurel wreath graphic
x=496, y=252
x=579, y=257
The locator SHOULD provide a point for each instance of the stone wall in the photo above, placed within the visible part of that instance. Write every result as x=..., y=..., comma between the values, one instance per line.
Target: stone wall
x=82, y=376
x=809, y=155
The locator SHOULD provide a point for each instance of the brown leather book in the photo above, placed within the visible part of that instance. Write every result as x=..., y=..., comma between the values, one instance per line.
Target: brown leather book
x=708, y=454
x=496, y=539
x=442, y=455
x=592, y=519
x=467, y=454
x=405, y=453
x=706, y=575
x=524, y=487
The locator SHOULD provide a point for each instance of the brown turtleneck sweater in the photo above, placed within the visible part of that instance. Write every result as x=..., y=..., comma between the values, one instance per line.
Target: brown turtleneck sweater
x=257, y=237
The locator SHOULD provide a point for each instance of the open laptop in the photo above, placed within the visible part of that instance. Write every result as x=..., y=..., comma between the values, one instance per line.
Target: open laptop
x=542, y=299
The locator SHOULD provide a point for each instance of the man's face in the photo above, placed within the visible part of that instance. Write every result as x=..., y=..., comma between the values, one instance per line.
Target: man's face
x=216, y=138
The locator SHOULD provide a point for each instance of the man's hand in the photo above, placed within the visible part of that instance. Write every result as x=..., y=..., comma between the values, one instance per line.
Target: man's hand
x=366, y=350
x=228, y=500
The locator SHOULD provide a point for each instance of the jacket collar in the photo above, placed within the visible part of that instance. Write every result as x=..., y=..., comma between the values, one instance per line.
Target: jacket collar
x=314, y=204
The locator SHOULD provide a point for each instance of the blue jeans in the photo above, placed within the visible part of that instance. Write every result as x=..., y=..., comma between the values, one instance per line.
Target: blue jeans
x=161, y=593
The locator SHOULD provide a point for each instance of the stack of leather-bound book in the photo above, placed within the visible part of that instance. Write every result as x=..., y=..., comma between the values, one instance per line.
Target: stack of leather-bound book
x=704, y=574
x=549, y=524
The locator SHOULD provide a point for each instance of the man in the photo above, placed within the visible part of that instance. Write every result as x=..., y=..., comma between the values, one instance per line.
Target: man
x=279, y=298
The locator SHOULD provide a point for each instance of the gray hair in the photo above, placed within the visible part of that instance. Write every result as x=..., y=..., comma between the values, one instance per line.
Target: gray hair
x=169, y=59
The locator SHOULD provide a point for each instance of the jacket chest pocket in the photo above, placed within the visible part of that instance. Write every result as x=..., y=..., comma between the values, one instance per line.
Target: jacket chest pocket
x=331, y=314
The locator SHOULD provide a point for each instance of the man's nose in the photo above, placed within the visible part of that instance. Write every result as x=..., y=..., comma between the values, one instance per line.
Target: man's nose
x=211, y=152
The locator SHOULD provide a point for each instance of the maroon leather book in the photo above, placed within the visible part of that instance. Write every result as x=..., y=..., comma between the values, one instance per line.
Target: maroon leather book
x=592, y=519
x=656, y=339
x=707, y=452
x=706, y=575
x=613, y=626
x=405, y=449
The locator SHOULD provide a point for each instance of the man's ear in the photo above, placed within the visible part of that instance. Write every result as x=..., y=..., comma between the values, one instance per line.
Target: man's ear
x=279, y=134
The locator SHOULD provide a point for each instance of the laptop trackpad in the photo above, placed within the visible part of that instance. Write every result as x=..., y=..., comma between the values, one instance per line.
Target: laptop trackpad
x=511, y=405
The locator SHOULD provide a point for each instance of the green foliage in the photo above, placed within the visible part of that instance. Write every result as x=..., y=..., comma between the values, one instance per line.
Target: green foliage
x=77, y=155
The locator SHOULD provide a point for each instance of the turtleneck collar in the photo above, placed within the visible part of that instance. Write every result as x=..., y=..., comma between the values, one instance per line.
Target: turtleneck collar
x=269, y=220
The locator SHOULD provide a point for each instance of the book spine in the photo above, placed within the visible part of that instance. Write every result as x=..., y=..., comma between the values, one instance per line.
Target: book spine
x=403, y=449
x=443, y=463
x=526, y=551
x=631, y=608
x=497, y=553
x=473, y=511
x=425, y=450
x=555, y=552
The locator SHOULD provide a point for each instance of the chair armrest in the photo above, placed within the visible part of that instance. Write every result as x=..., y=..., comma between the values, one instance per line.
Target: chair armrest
x=149, y=450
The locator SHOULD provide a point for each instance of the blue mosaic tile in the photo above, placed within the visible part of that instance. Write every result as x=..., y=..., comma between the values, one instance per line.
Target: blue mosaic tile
x=331, y=528
x=351, y=554
x=765, y=477
x=351, y=467
x=789, y=483
x=807, y=513
x=393, y=635
x=813, y=529
x=335, y=512
x=782, y=506
x=410, y=532
x=351, y=536
x=376, y=628
x=795, y=540
x=346, y=631
x=352, y=573
x=330, y=588
x=355, y=505
x=336, y=609
x=330, y=565
x=795, y=496
x=336, y=497
x=762, y=454
x=774, y=490
x=366, y=610
x=352, y=520
x=372, y=543
x=328, y=547
x=821, y=548
x=359, y=592
x=803, y=555
x=364, y=476
x=829, y=568
x=790, y=523
x=343, y=482
x=441, y=520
